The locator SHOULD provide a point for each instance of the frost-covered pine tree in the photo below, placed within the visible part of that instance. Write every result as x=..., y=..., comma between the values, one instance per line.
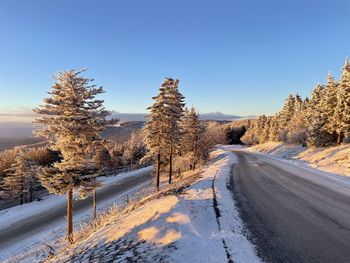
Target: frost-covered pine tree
x=21, y=179
x=72, y=119
x=102, y=161
x=274, y=129
x=287, y=111
x=285, y=115
x=192, y=131
x=7, y=158
x=266, y=123
x=132, y=150
x=155, y=129
x=342, y=110
x=329, y=104
x=316, y=134
x=102, y=157
x=15, y=181
x=173, y=112
x=262, y=129
x=297, y=126
x=251, y=135
x=162, y=131
x=298, y=102
x=296, y=130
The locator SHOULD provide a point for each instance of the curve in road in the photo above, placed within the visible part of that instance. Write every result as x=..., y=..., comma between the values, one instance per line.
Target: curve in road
x=292, y=214
x=40, y=223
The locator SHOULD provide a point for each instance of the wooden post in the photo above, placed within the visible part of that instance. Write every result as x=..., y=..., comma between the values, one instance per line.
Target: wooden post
x=158, y=171
x=70, y=215
x=94, y=200
x=171, y=163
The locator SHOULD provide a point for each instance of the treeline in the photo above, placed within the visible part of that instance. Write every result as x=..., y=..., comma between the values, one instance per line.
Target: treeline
x=19, y=166
x=18, y=172
x=320, y=121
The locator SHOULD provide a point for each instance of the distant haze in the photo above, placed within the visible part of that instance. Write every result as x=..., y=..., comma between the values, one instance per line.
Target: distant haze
x=20, y=124
x=204, y=116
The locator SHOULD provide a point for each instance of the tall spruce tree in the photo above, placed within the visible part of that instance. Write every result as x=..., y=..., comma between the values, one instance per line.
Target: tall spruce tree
x=265, y=133
x=298, y=102
x=297, y=126
x=296, y=130
x=162, y=131
x=155, y=129
x=342, y=110
x=315, y=122
x=192, y=131
x=274, y=129
x=173, y=112
x=329, y=104
x=287, y=111
x=72, y=119
x=16, y=183
x=285, y=115
x=132, y=150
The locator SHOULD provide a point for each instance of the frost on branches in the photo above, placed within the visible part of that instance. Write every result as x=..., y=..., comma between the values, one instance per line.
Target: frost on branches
x=321, y=121
x=72, y=120
x=161, y=133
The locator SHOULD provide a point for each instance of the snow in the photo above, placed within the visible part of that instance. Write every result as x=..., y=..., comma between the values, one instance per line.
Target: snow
x=199, y=224
x=181, y=227
x=284, y=157
x=21, y=213
x=334, y=159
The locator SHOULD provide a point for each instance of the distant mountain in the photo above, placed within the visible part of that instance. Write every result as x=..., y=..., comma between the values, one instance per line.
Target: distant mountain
x=124, y=117
x=121, y=132
x=13, y=119
x=19, y=125
x=218, y=116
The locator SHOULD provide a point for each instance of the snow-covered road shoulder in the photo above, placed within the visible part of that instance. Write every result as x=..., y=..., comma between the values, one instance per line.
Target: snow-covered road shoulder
x=199, y=224
x=334, y=159
x=232, y=231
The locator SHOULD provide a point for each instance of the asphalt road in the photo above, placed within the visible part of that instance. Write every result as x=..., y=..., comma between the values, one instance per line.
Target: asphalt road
x=41, y=222
x=292, y=214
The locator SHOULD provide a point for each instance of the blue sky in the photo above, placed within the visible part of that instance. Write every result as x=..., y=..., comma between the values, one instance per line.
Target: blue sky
x=237, y=57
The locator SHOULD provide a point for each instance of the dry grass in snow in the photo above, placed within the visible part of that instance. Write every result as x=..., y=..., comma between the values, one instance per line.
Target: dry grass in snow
x=334, y=159
x=178, y=224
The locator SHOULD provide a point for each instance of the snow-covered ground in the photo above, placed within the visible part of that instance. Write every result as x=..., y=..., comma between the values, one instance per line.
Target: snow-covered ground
x=330, y=159
x=199, y=224
x=20, y=213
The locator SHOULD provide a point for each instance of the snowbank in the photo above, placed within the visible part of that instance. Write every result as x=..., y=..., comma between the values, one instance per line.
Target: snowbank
x=330, y=159
x=199, y=224
x=19, y=213
x=34, y=246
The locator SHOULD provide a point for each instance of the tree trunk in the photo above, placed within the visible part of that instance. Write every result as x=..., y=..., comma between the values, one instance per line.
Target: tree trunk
x=94, y=201
x=70, y=215
x=195, y=153
x=21, y=195
x=31, y=195
x=132, y=161
x=158, y=171
x=339, y=138
x=21, y=198
x=171, y=163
